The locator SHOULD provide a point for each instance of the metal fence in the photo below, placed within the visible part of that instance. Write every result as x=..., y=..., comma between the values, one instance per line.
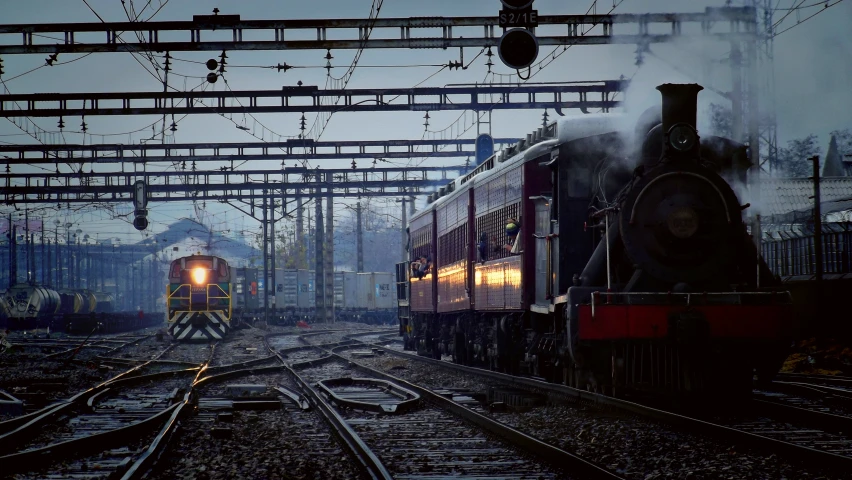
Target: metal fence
x=789, y=250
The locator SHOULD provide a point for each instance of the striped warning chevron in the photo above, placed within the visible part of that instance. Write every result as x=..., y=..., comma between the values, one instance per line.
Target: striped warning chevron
x=187, y=326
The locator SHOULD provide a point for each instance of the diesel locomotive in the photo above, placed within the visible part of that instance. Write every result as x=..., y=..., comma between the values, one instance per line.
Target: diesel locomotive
x=199, y=298
x=628, y=265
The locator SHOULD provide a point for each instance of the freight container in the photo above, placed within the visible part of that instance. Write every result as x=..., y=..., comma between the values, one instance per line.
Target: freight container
x=385, y=290
x=306, y=297
x=365, y=291
x=245, y=289
x=286, y=288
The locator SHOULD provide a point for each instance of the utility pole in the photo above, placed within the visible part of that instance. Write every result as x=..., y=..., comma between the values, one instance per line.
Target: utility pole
x=270, y=281
x=359, y=238
x=301, y=247
x=58, y=259
x=265, y=243
x=402, y=231
x=328, y=257
x=27, y=245
x=319, y=293
x=13, y=254
x=817, y=224
x=101, y=265
x=47, y=263
x=310, y=243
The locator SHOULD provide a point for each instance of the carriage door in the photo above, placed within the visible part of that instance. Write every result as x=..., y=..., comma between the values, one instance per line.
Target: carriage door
x=542, y=250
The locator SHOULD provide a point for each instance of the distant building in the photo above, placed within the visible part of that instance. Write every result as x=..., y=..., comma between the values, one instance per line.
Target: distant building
x=837, y=163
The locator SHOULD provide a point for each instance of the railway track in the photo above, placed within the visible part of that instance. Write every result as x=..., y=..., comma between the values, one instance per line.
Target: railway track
x=814, y=437
x=71, y=439
x=442, y=438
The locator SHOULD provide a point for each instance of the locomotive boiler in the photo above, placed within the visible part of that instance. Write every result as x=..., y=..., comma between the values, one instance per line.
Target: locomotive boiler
x=633, y=268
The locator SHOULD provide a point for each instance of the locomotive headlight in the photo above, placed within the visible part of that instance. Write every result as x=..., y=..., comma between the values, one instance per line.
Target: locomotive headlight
x=682, y=137
x=199, y=275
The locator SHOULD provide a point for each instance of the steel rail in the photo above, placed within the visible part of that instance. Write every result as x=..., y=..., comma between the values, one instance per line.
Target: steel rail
x=32, y=427
x=720, y=432
x=406, y=399
x=364, y=456
x=557, y=457
x=150, y=455
x=15, y=423
x=835, y=380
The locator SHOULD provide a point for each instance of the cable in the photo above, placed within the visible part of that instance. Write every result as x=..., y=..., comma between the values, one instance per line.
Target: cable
x=376, y=7
x=827, y=6
x=541, y=66
x=791, y=10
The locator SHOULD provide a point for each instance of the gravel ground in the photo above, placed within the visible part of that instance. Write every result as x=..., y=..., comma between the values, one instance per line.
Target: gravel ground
x=194, y=352
x=270, y=444
x=240, y=346
x=99, y=466
x=22, y=366
x=634, y=447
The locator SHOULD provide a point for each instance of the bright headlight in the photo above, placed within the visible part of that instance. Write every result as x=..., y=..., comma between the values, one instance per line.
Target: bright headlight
x=199, y=275
x=682, y=137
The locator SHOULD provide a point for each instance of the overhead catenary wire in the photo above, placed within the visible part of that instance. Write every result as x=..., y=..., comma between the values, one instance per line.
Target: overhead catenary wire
x=826, y=7
x=541, y=67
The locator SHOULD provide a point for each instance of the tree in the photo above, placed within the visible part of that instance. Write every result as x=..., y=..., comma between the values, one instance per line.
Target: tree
x=793, y=160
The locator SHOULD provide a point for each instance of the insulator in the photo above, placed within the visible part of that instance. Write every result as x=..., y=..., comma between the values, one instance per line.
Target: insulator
x=61, y=124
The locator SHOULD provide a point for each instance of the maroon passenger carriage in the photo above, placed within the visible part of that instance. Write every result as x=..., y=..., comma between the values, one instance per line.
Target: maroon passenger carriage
x=634, y=267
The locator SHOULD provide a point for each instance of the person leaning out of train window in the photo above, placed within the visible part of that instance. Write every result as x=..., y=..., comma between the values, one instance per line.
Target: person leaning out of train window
x=513, y=228
x=420, y=267
x=426, y=266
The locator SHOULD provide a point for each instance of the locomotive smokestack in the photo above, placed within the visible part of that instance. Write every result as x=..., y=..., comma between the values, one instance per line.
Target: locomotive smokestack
x=680, y=103
x=680, y=107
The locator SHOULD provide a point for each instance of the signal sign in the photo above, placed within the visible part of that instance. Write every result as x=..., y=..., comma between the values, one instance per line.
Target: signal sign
x=518, y=18
x=518, y=48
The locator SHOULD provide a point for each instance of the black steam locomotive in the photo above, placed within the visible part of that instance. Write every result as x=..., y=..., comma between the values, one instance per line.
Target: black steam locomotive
x=632, y=267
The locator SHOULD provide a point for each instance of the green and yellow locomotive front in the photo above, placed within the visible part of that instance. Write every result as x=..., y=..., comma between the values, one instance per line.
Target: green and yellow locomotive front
x=199, y=298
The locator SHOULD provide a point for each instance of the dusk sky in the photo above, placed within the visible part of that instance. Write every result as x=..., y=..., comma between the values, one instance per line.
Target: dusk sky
x=813, y=71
